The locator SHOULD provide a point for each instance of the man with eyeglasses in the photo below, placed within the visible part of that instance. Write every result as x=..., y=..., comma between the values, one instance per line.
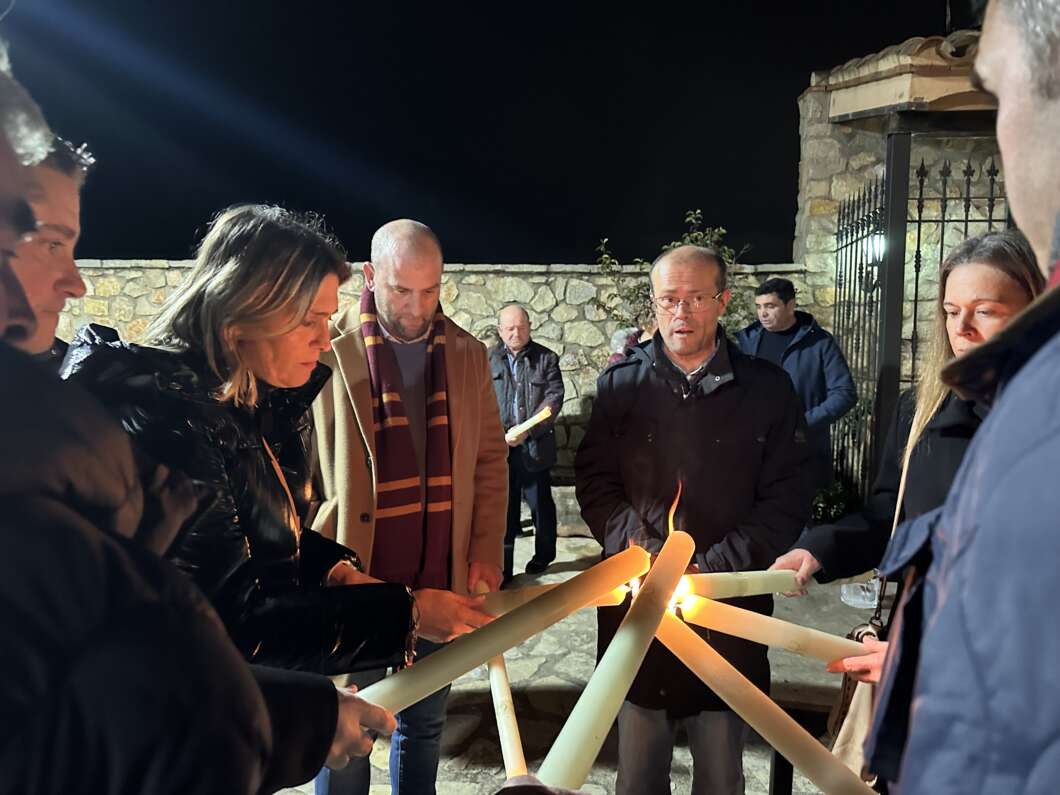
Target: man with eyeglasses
x=687, y=406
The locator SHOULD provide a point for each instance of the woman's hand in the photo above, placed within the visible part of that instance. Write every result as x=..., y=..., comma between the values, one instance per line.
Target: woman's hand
x=344, y=573
x=866, y=667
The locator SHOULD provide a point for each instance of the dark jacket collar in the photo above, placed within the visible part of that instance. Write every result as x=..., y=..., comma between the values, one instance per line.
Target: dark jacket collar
x=185, y=372
x=957, y=413
x=717, y=372
x=807, y=325
x=501, y=352
x=981, y=373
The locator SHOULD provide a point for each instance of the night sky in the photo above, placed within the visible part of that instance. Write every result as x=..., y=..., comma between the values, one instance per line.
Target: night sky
x=519, y=132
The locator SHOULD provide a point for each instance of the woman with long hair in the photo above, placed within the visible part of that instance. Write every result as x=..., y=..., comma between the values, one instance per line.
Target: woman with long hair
x=222, y=391
x=983, y=284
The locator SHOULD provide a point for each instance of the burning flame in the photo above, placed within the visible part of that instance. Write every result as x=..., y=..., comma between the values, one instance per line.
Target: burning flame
x=673, y=508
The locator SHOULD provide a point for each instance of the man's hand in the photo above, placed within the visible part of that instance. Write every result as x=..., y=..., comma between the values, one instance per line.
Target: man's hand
x=802, y=563
x=486, y=573
x=866, y=667
x=445, y=615
x=356, y=718
x=514, y=440
x=344, y=573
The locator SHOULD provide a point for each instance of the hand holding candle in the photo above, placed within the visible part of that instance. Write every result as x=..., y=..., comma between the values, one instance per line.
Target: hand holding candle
x=575, y=749
x=431, y=674
x=525, y=427
x=774, y=725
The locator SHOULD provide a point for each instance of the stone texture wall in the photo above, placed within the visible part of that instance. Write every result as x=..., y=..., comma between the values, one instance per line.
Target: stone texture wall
x=838, y=160
x=127, y=294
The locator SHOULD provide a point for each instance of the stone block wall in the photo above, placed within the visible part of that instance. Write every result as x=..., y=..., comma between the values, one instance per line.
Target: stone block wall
x=127, y=294
x=838, y=160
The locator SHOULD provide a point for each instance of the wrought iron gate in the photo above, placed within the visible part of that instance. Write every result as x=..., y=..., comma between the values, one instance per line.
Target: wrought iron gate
x=881, y=317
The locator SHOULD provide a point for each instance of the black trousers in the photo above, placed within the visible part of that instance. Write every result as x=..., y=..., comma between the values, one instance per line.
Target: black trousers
x=537, y=488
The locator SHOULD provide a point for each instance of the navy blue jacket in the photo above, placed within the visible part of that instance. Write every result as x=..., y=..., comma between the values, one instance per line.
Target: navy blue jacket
x=977, y=635
x=822, y=381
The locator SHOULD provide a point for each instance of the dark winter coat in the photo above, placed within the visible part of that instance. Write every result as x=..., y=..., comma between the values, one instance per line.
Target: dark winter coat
x=822, y=380
x=976, y=635
x=736, y=437
x=252, y=558
x=856, y=543
x=540, y=382
x=116, y=676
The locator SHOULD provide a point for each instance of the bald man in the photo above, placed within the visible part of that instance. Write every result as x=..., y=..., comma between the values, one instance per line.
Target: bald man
x=413, y=469
x=526, y=378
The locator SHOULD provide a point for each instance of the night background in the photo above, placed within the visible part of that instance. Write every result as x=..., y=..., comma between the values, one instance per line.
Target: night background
x=519, y=133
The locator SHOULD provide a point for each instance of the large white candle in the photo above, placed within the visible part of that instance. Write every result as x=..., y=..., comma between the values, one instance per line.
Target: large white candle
x=725, y=585
x=504, y=710
x=529, y=424
x=575, y=749
x=497, y=603
x=767, y=630
x=431, y=674
x=774, y=725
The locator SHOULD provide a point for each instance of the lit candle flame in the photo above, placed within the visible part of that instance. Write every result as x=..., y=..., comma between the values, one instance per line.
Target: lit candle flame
x=684, y=587
x=673, y=508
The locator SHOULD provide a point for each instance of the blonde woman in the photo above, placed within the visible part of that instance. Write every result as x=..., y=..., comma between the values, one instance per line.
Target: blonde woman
x=222, y=392
x=983, y=284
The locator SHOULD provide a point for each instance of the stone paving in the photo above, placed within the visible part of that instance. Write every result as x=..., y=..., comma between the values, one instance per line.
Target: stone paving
x=547, y=675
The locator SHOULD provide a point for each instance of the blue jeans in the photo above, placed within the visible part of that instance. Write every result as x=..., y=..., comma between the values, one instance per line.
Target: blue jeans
x=646, y=747
x=414, y=748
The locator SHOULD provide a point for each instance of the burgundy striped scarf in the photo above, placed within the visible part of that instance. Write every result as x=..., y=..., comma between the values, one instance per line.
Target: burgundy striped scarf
x=411, y=545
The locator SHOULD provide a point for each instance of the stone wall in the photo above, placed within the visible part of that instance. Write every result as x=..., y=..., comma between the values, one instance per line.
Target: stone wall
x=838, y=160
x=127, y=294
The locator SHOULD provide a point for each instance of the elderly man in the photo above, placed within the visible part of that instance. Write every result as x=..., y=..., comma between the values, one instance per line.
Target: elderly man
x=687, y=406
x=968, y=701
x=412, y=464
x=526, y=378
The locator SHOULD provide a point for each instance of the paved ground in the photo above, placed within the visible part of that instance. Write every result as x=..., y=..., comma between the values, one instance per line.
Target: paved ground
x=548, y=672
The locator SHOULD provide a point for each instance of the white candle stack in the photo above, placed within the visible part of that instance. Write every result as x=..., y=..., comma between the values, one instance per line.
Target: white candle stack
x=774, y=725
x=431, y=674
x=575, y=750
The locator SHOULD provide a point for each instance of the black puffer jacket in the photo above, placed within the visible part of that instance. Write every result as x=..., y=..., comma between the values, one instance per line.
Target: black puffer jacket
x=116, y=676
x=245, y=549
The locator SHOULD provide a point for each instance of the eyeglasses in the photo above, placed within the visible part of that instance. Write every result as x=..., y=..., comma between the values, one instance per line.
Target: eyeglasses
x=696, y=303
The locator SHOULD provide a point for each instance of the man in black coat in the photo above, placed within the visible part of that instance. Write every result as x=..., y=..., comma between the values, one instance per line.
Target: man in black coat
x=688, y=406
x=526, y=378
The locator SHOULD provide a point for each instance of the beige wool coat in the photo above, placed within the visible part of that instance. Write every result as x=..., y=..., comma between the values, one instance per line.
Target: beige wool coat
x=346, y=457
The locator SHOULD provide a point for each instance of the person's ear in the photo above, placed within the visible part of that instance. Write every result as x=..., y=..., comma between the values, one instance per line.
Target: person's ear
x=369, y=275
x=723, y=299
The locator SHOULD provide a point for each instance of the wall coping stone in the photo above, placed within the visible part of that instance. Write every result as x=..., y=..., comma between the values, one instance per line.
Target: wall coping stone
x=590, y=269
